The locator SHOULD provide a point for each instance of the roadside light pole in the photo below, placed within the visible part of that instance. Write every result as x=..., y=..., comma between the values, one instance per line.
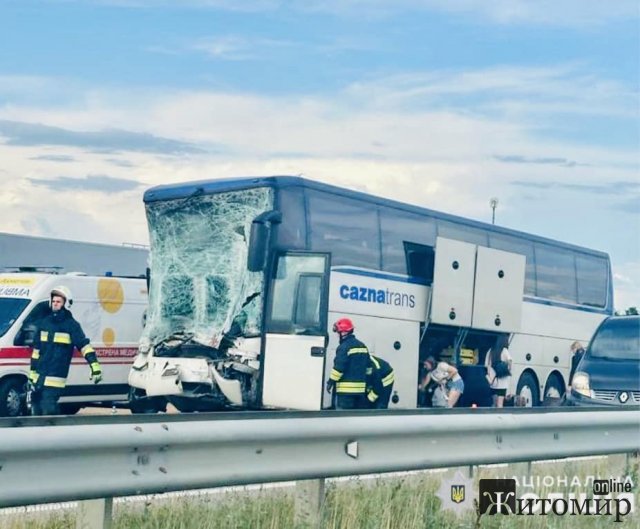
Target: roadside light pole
x=493, y=202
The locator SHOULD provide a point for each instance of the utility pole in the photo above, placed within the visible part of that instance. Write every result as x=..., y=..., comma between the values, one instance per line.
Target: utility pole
x=493, y=202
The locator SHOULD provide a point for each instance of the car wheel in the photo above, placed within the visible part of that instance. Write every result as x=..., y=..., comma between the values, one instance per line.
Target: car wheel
x=528, y=390
x=12, y=397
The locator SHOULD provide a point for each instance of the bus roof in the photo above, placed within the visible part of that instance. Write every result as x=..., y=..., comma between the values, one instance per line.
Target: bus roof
x=210, y=187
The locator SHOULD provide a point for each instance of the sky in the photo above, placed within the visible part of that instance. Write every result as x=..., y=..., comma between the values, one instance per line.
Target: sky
x=440, y=103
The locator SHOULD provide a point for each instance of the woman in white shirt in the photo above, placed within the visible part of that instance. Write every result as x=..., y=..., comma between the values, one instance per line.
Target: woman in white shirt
x=499, y=384
x=447, y=376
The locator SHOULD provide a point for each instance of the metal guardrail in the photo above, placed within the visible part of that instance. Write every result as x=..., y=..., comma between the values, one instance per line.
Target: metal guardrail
x=74, y=460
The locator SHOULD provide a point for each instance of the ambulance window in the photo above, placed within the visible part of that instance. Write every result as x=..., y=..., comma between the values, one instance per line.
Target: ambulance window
x=10, y=310
x=41, y=310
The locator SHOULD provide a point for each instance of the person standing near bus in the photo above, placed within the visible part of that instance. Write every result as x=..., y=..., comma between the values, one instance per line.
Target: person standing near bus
x=58, y=334
x=348, y=378
x=447, y=376
x=498, y=362
x=380, y=379
x=577, y=352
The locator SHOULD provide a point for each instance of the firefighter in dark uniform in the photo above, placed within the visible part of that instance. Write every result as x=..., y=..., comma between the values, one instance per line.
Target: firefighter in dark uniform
x=58, y=334
x=349, y=374
x=380, y=379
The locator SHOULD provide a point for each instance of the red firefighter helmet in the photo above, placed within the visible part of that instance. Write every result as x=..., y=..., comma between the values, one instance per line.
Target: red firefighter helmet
x=343, y=325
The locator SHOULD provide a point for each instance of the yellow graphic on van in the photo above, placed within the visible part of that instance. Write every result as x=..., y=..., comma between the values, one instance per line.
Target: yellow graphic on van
x=110, y=294
x=108, y=336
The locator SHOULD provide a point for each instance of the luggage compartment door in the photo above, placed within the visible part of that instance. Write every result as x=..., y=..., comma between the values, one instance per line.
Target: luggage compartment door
x=453, y=278
x=499, y=287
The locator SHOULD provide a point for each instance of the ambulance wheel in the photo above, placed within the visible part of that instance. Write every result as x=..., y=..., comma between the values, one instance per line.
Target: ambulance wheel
x=528, y=390
x=11, y=397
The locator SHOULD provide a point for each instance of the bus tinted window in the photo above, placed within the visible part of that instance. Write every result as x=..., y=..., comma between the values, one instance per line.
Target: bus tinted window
x=346, y=228
x=592, y=280
x=555, y=273
x=461, y=232
x=292, y=232
x=507, y=243
x=398, y=227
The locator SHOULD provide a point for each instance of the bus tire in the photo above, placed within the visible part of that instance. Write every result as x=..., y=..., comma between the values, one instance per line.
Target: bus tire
x=528, y=390
x=12, y=403
x=554, y=391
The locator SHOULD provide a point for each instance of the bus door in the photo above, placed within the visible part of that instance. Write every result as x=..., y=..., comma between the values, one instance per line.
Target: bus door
x=296, y=332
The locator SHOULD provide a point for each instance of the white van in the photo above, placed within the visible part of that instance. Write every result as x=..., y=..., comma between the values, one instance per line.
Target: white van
x=111, y=311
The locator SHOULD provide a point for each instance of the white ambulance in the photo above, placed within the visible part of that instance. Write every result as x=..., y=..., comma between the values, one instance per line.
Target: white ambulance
x=111, y=311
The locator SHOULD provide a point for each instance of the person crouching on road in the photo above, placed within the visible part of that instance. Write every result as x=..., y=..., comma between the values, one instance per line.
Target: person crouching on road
x=349, y=374
x=445, y=375
x=53, y=348
x=380, y=379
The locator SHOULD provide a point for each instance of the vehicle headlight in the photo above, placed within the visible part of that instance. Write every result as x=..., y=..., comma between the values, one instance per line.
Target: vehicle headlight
x=580, y=384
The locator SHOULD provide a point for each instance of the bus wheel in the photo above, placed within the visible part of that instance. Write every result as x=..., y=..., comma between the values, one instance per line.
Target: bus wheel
x=554, y=391
x=11, y=397
x=528, y=390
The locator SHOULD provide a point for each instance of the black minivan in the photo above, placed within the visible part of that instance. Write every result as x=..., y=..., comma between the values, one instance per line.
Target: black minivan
x=609, y=372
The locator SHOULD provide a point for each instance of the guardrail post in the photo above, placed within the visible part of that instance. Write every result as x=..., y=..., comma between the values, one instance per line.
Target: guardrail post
x=94, y=514
x=309, y=502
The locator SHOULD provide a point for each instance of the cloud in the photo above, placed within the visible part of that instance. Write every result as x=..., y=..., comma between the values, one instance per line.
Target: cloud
x=54, y=158
x=109, y=140
x=127, y=164
x=237, y=48
x=563, y=13
x=514, y=158
x=102, y=183
x=608, y=188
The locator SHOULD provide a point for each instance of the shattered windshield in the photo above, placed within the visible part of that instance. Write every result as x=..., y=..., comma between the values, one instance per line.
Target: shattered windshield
x=199, y=278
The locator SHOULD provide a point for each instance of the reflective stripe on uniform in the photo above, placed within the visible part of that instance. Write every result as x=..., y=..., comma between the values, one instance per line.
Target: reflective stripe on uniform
x=388, y=380
x=33, y=376
x=375, y=362
x=55, y=382
x=87, y=349
x=335, y=375
x=358, y=350
x=62, y=337
x=350, y=387
x=35, y=354
x=44, y=336
x=372, y=396
x=95, y=367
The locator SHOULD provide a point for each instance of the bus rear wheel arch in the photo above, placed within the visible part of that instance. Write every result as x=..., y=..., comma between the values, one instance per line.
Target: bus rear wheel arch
x=528, y=389
x=554, y=389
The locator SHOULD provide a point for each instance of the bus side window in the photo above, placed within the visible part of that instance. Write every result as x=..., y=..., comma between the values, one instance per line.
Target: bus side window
x=420, y=261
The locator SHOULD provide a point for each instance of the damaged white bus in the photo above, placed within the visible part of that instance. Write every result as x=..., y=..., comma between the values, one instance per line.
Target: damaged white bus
x=248, y=274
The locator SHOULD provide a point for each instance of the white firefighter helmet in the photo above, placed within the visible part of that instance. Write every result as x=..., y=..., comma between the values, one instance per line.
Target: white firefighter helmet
x=65, y=293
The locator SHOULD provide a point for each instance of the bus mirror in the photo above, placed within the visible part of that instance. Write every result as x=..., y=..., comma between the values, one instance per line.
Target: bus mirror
x=257, y=247
x=259, y=239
